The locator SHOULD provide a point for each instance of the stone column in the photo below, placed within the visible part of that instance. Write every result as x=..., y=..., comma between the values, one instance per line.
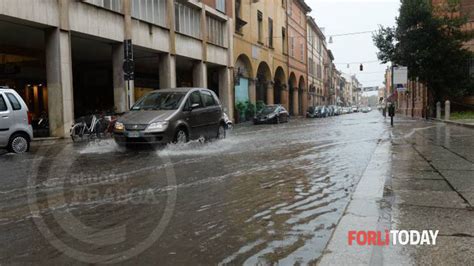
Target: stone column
x=438, y=110
x=171, y=25
x=128, y=85
x=252, y=90
x=225, y=91
x=59, y=79
x=284, y=97
x=295, y=101
x=200, y=74
x=270, y=96
x=167, y=71
x=447, y=110
x=120, y=90
x=305, y=102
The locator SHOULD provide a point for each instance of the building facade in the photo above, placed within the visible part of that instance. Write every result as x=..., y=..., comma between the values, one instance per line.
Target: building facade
x=260, y=53
x=352, y=90
x=333, y=85
x=328, y=73
x=72, y=63
x=316, y=44
x=297, y=56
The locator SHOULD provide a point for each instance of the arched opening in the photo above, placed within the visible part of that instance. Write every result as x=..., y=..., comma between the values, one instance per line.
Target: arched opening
x=301, y=94
x=263, y=81
x=279, y=84
x=242, y=76
x=292, y=86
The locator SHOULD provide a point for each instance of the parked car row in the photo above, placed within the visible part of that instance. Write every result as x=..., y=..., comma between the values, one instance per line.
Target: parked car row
x=332, y=110
x=323, y=111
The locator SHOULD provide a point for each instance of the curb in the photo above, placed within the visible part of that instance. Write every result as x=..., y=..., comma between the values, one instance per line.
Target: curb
x=45, y=139
x=453, y=123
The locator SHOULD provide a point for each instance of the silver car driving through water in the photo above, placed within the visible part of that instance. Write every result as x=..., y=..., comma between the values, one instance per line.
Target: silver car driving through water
x=172, y=115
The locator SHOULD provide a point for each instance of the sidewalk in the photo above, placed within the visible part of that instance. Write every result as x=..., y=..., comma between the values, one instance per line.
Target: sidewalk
x=461, y=122
x=429, y=185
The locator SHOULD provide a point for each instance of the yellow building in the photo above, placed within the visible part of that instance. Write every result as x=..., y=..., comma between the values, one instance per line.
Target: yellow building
x=260, y=53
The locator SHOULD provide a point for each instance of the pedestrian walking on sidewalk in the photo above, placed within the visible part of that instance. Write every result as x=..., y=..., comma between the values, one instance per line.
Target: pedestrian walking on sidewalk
x=391, y=112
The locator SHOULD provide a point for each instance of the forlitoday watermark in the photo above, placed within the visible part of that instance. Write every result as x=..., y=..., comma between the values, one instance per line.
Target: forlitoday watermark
x=392, y=237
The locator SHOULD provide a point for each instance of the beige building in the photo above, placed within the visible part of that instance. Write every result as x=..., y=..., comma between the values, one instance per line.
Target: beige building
x=316, y=44
x=338, y=88
x=328, y=72
x=297, y=56
x=352, y=93
x=260, y=53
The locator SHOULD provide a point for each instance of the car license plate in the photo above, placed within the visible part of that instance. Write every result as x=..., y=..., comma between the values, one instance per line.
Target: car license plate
x=133, y=134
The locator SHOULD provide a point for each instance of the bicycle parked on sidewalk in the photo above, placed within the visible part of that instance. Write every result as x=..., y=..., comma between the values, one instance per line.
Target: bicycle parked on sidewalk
x=92, y=127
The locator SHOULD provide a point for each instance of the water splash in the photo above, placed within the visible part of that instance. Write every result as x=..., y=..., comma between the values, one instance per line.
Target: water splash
x=101, y=147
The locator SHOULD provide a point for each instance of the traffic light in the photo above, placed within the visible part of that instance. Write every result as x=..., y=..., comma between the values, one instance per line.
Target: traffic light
x=361, y=67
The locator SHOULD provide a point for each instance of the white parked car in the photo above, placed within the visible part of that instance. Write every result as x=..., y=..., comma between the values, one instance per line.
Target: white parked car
x=16, y=132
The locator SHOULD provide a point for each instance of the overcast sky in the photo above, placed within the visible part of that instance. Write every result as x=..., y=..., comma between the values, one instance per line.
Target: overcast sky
x=346, y=16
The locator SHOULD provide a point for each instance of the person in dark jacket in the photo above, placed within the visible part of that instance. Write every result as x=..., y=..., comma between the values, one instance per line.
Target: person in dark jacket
x=391, y=112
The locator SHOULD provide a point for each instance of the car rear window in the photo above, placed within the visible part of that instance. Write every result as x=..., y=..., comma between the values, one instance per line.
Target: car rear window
x=3, y=104
x=13, y=101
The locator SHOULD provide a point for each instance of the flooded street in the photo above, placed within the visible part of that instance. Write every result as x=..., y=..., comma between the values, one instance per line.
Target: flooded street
x=268, y=194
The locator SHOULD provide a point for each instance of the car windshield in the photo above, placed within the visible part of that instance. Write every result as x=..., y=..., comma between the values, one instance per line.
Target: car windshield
x=268, y=110
x=159, y=101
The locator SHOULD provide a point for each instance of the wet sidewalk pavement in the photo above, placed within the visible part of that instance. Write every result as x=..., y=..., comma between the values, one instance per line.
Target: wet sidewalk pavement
x=429, y=185
x=458, y=122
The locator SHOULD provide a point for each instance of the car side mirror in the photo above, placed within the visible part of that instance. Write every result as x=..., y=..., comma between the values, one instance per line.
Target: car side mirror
x=194, y=106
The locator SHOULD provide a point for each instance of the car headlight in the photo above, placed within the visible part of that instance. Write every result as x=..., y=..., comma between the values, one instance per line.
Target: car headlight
x=157, y=126
x=119, y=126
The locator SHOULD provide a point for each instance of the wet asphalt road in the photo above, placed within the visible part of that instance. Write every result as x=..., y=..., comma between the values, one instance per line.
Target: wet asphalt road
x=270, y=193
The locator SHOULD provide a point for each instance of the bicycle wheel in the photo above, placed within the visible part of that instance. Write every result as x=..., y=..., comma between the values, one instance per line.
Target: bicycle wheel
x=77, y=131
x=99, y=129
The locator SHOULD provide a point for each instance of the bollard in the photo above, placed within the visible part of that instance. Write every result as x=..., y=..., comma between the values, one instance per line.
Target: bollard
x=438, y=110
x=447, y=110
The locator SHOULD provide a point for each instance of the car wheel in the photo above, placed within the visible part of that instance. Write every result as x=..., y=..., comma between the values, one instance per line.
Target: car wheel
x=277, y=120
x=181, y=136
x=221, y=132
x=19, y=143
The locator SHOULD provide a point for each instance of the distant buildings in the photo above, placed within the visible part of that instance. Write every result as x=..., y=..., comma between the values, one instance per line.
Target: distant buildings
x=316, y=51
x=352, y=91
